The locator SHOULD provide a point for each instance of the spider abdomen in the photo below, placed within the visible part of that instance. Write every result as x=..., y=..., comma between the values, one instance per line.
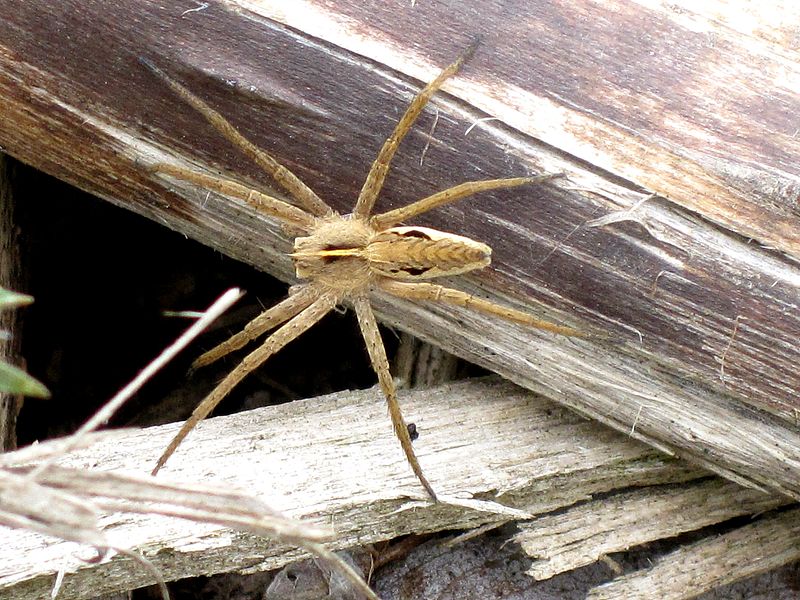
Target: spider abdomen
x=347, y=254
x=411, y=253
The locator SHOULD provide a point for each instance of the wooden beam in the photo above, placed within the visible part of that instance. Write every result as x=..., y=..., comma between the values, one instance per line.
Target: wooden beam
x=493, y=451
x=698, y=287
x=588, y=532
x=700, y=567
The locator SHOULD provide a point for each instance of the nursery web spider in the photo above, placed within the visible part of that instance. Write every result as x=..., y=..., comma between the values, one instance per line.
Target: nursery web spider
x=342, y=258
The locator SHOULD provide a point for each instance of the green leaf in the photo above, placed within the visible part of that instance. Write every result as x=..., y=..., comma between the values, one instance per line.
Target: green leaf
x=16, y=381
x=9, y=299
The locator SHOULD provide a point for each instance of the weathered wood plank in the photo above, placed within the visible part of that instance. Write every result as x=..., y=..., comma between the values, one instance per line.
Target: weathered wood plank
x=678, y=98
x=704, y=565
x=333, y=461
x=603, y=93
x=584, y=534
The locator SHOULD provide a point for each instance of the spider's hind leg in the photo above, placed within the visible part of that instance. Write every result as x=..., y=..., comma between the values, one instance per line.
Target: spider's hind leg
x=432, y=292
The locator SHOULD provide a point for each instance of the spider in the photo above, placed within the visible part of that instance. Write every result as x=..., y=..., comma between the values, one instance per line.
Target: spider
x=342, y=258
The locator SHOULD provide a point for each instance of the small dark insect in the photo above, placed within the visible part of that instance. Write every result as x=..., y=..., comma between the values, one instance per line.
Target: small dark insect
x=342, y=258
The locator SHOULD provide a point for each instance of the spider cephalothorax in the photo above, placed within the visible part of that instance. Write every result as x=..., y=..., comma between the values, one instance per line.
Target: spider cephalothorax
x=344, y=258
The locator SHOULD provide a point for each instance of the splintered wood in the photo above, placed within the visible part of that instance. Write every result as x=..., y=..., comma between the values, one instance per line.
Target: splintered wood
x=537, y=459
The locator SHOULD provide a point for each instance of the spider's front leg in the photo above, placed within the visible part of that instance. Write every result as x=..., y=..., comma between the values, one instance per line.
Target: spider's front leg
x=262, y=202
x=304, y=195
x=295, y=327
x=272, y=317
x=377, y=355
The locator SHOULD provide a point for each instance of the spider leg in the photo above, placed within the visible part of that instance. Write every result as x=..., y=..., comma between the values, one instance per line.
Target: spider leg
x=264, y=203
x=282, y=336
x=438, y=293
x=377, y=355
x=377, y=173
x=393, y=217
x=286, y=309
x=304, y=195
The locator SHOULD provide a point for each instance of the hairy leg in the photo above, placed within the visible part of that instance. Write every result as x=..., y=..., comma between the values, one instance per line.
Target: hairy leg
x=393, y=217
x=252, y=361
x=437, y=293
x=377, y=173
x=286, y=309
x=304, y=195
x=377, y=355
x=264, y=203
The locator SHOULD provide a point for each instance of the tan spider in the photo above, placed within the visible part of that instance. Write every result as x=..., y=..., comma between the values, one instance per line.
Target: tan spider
x=342, y=258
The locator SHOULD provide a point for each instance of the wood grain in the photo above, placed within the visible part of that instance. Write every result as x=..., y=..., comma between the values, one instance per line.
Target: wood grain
x=699, y=287
x=493, y=451
x=704, y=565
x=586, y=533
x=10, y=279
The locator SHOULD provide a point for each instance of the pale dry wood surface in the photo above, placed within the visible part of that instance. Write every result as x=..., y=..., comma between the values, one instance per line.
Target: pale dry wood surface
x=699, y=567
x=699, y=287
x=586, y=533
x=493, y=451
